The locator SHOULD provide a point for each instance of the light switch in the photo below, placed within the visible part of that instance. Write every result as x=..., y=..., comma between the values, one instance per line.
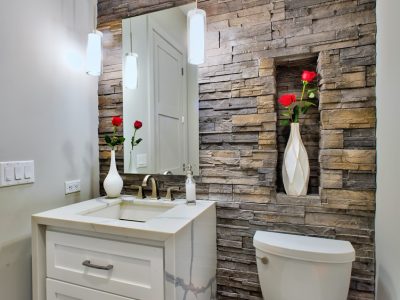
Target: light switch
x=9, y=173
x=141, y=160
x=28, y=172
x=19, y=172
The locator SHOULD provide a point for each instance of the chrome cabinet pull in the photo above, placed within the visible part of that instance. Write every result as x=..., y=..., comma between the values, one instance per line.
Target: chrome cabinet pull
x=87, y=263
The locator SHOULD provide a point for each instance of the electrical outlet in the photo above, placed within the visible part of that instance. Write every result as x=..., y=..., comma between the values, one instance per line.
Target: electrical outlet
x=72, y=186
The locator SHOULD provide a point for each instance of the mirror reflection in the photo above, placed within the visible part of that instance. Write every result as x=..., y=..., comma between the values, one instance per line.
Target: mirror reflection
x=160, y=96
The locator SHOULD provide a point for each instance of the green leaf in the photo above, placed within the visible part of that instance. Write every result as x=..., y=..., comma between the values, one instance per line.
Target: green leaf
x=311, y=95
x=107, y=139
x=286, y=114
x=121, y=140
x=307, y=104
x=138, y=141
x=296, y=113
x=284, y=122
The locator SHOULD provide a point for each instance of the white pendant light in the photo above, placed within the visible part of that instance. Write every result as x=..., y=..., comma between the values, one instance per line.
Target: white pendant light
x=94, y=55
x=130, y=75
x=196, y=26
x=131, y=71
x=94, y=50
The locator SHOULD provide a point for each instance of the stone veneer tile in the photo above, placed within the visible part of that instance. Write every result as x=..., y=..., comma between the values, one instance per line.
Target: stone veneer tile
x=238, y=150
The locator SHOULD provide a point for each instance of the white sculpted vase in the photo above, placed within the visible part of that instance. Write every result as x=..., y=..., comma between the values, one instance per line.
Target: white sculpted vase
x=295, y=168
x=113, y=182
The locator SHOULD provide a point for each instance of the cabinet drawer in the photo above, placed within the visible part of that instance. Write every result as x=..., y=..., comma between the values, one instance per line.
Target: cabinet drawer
x=126, y=269
x=58, y=290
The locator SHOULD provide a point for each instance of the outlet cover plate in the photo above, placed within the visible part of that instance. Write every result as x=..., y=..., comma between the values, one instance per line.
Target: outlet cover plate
x=72, y=186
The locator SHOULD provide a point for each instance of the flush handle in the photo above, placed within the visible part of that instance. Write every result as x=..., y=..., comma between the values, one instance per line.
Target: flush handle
x=87, y=263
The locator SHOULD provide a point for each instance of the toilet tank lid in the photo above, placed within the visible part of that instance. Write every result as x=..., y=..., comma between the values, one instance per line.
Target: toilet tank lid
x=304, y=247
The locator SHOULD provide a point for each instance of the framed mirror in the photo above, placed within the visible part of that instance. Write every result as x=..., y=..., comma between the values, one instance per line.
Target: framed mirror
x=160, y=91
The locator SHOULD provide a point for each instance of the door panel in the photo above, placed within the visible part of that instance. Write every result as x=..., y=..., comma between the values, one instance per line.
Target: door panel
x=169, y=105
x=168, y=158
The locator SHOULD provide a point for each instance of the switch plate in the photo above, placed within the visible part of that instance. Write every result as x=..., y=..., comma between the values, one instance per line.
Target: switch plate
x=72, y=186
x=141, y=160
x=13, y=172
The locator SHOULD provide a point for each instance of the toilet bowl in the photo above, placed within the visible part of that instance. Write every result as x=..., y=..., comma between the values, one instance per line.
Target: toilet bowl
x=292, y=267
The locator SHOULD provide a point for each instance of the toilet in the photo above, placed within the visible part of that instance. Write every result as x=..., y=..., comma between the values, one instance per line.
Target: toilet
x=293, y=267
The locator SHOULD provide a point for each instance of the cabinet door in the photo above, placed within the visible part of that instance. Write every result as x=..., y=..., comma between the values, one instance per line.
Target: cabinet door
x=58, y=290
x=126, y=269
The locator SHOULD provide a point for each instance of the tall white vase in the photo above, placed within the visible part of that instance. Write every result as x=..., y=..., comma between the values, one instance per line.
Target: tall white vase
x=113, y=182
x=132, y=162
x=295, y=168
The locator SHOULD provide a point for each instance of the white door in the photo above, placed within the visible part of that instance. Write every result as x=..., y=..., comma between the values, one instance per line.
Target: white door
x=169, y=105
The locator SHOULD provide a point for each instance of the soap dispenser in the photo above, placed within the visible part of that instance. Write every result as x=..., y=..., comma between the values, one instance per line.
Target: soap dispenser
x=190, y=186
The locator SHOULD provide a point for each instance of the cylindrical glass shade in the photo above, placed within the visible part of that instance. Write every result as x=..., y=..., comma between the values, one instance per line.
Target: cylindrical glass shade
x=196, y=27
x=131, y=71
x=94, y=55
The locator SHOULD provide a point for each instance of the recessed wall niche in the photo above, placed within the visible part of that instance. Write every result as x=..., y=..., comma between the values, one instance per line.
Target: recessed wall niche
x=288, y=80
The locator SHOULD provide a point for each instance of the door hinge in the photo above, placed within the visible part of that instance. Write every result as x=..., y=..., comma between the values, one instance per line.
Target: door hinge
x=182, y=71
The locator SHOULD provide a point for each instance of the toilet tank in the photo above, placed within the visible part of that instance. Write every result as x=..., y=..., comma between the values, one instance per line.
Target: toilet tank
x=292, y=267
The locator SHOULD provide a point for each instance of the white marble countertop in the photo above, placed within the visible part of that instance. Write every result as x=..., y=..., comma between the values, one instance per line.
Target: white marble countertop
x=158, y=228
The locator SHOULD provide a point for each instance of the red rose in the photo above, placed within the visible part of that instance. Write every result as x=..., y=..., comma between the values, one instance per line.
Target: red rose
x=287, y=99
x=116, y=121
x=308, y=76
x=138, y=124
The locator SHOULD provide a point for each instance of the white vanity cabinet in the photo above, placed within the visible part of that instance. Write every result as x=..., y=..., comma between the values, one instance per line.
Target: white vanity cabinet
x=119, y=268
x=83, y=252
x=59, y=290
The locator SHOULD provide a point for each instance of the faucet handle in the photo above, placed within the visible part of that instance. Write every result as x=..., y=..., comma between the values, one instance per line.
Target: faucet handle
x=140, y=194
x=169, y=195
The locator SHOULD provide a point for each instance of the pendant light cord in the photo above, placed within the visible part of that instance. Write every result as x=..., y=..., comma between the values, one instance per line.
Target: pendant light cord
x=130, y=36
x=95, y=16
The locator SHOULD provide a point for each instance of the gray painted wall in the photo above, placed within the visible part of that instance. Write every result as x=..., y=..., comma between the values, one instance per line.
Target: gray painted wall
x=388, y=109
x=48, y=113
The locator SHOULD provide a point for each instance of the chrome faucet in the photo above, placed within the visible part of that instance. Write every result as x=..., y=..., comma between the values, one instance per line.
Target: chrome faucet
x=155, y=193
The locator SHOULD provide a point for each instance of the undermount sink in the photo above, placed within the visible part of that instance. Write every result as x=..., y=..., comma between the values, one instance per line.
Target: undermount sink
x=133, y=210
